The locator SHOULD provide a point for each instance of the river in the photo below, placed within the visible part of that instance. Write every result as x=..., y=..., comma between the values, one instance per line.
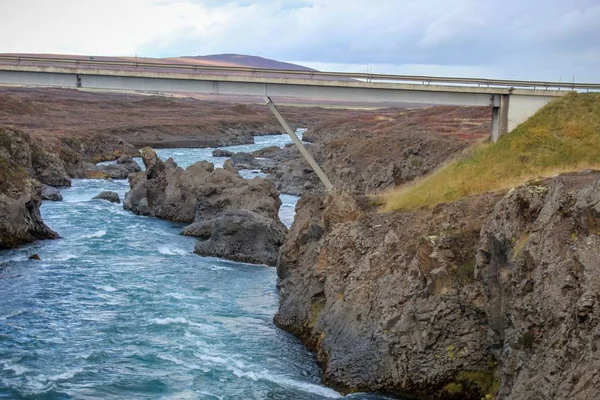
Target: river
x=120, y=307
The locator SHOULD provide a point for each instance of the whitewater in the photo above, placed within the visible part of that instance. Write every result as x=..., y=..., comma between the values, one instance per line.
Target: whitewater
x=120, y=307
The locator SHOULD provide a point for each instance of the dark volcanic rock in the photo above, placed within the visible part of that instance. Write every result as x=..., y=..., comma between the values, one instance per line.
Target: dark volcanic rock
x=233, y=217
x=124, y=166
x=539, y=258
x=24, y=152
x=239, y=235
x=222, y=153
x=486, y=296
x=113, y=197
x=50, y=193
x=371, y=154
x=243, y=160
x=20, y=218
x=381, y=297
x=268, y=152
x=50, y=170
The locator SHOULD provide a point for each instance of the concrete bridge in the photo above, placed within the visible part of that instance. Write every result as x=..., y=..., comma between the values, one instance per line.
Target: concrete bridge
x=512, y=102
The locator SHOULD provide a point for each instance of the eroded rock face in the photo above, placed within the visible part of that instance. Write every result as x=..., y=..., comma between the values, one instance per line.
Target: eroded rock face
x=539, y=259
x=489, y=295
x=381, y=298
x=233, y=217
x=20, y=219
x=239, y=235
x=45, y=166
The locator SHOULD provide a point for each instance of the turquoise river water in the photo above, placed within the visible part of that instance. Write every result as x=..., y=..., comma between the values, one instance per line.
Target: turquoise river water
x=120, y=307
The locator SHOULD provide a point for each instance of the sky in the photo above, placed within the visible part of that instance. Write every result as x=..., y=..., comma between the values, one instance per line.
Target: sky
x=505, y=39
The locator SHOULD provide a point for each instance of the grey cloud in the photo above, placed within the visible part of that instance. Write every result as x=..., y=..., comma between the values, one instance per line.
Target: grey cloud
x=528, y=37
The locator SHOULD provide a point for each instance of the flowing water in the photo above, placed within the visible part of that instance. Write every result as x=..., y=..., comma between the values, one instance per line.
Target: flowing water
x=120, y=307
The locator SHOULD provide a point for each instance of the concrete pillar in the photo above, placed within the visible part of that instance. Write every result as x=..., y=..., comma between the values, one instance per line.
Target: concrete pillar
x=500, y=117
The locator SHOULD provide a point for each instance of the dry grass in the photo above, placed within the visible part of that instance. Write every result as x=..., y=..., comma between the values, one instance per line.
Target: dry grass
x=563, y=136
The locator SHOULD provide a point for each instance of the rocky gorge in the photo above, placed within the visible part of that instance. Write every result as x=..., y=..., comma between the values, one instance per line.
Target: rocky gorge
x=492, y=296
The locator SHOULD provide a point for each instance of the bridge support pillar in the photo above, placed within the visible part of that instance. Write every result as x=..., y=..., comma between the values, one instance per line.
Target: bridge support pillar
x=499, y=116
x=311, y=161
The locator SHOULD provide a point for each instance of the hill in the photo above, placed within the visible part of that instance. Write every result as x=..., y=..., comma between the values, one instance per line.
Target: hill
x=242, y=60
x=222, y=60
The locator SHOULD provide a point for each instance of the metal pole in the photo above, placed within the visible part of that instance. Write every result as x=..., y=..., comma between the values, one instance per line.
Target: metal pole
x=299, y=145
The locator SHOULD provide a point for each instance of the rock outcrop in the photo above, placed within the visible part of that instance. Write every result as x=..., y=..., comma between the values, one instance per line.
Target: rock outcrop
x=20, y=218
x=243, y=160
x=539, y=261
x=50, y=193
x=233, y=217
x=286, y=167
x=372, y=153
x=121, y=169
x=44, y=165
x=107, y=195
x=222, y=153
x=490, y=296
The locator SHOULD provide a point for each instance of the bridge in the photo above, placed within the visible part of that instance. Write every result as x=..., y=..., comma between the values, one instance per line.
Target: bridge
x=511, y=102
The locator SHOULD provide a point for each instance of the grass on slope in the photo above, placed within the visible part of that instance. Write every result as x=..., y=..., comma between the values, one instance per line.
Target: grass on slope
x=563, y=136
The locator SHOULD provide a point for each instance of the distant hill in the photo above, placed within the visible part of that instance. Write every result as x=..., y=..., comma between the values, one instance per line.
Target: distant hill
x=229, y=60
x=242, y=60
x=218, y=60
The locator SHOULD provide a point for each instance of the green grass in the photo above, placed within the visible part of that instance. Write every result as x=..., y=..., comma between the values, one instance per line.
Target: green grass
x=563, y=136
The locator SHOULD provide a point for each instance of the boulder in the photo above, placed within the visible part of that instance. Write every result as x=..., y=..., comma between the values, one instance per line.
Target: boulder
x=243, y=160
x=268, y=152
x=124, y=166
x=50, y=193
x=222, y=153
x=233, y=217
x=113, y=197
x=240, y=235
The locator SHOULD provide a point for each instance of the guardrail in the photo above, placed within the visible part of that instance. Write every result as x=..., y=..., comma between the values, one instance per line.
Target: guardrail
x=427, y=80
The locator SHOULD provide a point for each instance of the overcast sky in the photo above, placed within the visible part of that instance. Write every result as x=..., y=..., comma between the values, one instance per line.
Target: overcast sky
x=518, y=39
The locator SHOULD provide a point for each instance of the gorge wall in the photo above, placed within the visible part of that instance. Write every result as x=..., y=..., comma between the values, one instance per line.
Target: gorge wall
x=20, y=219
x=490, y=295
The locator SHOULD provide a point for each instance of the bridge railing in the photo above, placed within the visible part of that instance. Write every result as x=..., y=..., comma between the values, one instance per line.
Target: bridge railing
x=368, y=77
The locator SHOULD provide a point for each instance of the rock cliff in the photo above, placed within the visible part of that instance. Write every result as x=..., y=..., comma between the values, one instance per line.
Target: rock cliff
x=491, y=296
x=20, y=219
